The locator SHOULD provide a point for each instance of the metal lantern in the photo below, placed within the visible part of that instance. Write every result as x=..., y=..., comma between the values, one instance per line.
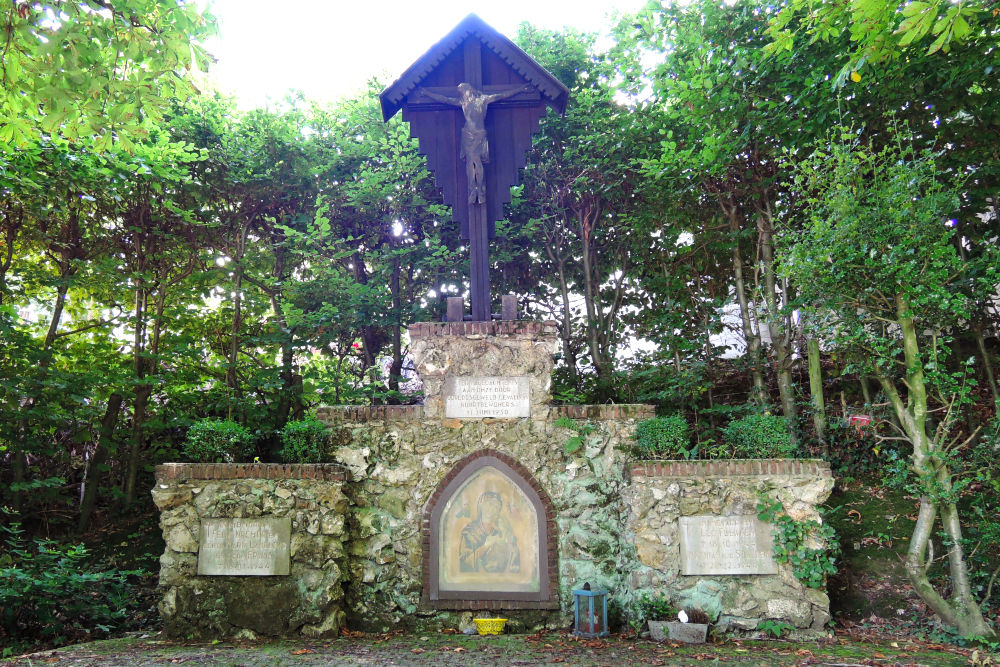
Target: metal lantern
x=590, y=612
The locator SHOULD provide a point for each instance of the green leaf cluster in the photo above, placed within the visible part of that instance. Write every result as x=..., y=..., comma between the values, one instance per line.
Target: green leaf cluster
x=759, y=436
x=667, y=436
x=305, y=441
x=811, y=548
x=218, y=441
x=49, y=592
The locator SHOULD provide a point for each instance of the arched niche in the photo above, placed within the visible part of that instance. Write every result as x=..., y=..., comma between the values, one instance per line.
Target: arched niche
x=489, y=538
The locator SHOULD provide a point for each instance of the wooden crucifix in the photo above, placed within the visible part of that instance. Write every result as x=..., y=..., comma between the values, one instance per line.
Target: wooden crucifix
x=473, y=101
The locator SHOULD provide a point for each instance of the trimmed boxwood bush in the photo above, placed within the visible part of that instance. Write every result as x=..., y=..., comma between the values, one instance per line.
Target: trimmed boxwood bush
x=218, y=441
x=665, y=436
x=759, y=436
x=305, y=441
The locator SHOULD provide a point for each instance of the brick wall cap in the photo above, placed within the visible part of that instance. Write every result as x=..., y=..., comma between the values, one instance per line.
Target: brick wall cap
x=172, y=472
x=730, y=468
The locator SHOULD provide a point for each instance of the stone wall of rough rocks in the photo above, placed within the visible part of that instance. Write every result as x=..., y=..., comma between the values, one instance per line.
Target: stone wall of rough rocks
x=661, y=492
x=307, y=602
x=395, y=458
x=357, y=533
x=356, y=554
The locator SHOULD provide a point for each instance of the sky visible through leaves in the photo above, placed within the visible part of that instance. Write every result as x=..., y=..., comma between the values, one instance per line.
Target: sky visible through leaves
x=331, y=48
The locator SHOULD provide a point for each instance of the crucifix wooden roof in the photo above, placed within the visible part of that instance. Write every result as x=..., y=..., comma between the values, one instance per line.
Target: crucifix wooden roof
x=475, y=53
x=554, y=93
x=473, y=101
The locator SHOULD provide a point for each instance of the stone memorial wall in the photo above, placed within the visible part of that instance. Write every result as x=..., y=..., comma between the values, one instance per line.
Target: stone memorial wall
x=436, y=512
x=253, y=549
x=698, y=539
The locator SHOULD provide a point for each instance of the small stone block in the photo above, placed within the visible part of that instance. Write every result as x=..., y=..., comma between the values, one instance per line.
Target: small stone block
x=508, y=307
x=689, y=633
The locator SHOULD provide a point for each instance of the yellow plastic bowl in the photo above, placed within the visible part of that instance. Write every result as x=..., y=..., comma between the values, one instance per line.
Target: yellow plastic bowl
x=490, y=626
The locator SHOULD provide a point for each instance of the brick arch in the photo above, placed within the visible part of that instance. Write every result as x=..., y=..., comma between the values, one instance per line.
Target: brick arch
x=548, y=596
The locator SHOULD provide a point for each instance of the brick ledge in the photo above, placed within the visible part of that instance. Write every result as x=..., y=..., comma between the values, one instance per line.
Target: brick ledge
x=605, y=411
x=170, y=472
x=372, y=413
x=531, y=328
x=730, y=468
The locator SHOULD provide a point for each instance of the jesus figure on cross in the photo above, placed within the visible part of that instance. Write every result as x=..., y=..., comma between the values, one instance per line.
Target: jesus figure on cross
x=475, y=150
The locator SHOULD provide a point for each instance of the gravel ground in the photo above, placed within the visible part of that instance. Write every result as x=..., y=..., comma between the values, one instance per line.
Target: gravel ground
x=444, y=650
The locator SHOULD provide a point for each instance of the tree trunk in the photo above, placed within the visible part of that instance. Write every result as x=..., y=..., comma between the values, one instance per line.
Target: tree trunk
x=142, y=391
x=98, y=463
x=987, y=362
x=961, y=610
x=816, y=391
x=786, y=387
x=289, y=393
x=757, y=392
x=19, y=461
x=396, y=368
x=587, y=217
x=553, y=249
x=232, y=377
x=866, y=389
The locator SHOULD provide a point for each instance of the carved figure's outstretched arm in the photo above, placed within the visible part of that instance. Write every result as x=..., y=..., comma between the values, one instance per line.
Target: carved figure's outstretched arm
x=453, y=101
x=504, y=94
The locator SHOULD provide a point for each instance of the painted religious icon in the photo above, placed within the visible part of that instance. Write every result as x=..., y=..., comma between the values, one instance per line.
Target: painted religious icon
x=488, y=544
x=489, y=537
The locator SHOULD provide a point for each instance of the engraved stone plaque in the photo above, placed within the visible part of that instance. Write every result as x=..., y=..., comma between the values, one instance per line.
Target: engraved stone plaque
x=726, y=545
x=244, y=546
x=485, y=396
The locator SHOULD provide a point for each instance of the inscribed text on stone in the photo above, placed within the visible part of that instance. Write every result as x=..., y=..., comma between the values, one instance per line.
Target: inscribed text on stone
x=484, y=396
x=244, y=546
x=726, y=545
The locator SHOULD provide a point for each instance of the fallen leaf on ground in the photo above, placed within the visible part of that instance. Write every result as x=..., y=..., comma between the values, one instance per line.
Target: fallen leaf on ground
x=417, y=650
x=302, y=651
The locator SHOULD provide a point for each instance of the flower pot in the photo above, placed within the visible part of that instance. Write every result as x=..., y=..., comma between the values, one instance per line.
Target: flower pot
x=689, y=633
x=490, y=626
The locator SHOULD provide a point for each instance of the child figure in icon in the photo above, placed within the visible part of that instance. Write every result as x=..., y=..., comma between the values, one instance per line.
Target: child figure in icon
x=487, y=543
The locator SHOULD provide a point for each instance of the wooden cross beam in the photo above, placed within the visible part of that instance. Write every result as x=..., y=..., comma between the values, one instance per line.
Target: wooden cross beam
x=474, y=100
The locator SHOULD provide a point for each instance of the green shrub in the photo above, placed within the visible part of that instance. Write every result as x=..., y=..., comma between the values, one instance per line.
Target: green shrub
x=305, y=441
x=218, y=441
x=48, y=595
x=652, y=608
x=759, y=436
x=665, y=436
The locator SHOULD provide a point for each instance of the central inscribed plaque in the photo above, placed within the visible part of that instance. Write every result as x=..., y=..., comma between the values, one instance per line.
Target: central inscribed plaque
x=244, y=546
x=486, y=396
x=488, y=537
x=726, y=545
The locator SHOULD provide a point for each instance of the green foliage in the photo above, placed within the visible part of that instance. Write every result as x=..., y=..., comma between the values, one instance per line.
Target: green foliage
x=218, y=441
x=793, y=540
x=774, y=628
x=96, y=70
x=652, y=608
x=305, y=441
x=855, y=451
x=665, y=436
x=879, y=31
x=759, y=436
x=875, y=250
x=580, y=429
x=48, y=593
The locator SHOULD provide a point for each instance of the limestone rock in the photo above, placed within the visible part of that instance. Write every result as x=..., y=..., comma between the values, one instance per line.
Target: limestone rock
x=170, y=497
x=797, y=612
x=179, y=538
